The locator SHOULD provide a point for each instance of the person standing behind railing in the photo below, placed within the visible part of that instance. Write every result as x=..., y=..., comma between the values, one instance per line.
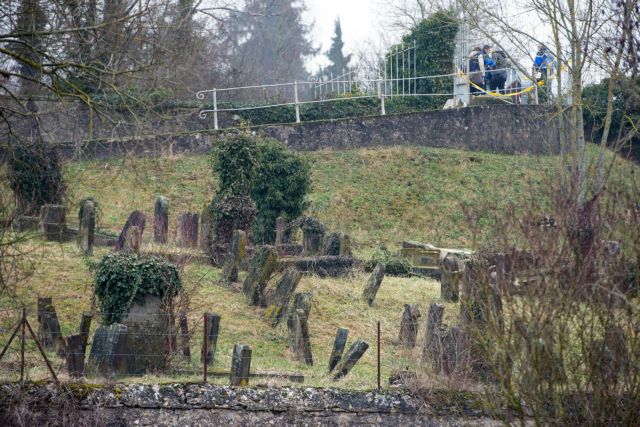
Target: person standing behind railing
x=544, y=64
x=498, y=77
x=475, y=73
x=486, y=65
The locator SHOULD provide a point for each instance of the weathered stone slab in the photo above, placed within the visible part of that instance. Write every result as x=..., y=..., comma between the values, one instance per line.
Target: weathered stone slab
x=262, y=266
x=133, y=240
x=240, y=365
x=212, y=329
x=26, y=223
x=350, y=359
x=85, y=327
x=74, y=355
x=281, y=231
x=373, y=284
x=136, y=219
x=49, y=327
x=87, y=230
x=409, y=326
x=278, y=301
x=147, y=331
x=331, y=245
x=312, y=236
x=452, y=268
x=109, y=354
x=161, y=220
x=289, y=249
x=345, y=246
x=323, y=266
x=205, y=228
x=184, y=334
x=53, y=222
x=338, y=347
x=432, y=325
x=187, y=230
x=449, y=349
x=300, y=309
x=235, y=257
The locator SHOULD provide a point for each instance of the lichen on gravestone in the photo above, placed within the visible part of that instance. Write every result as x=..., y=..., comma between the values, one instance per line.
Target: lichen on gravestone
x=373, y=284
x=262, y=266
x=278, y=300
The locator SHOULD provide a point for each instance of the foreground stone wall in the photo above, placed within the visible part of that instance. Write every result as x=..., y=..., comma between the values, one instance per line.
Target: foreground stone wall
x=495, y=128
x=197, y=404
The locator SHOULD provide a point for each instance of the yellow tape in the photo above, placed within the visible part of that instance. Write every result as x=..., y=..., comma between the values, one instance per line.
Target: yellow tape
x=497, y=95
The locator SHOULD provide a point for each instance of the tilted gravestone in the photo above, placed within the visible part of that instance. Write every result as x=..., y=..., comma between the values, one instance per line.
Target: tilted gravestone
x=298, y=327
x=187, y=230
x=236, y=255
x=49, y=328
x=409, y=326
x=278, y=301
x=161, y=220
x=338, y=347
x=53, y=222
x=373, y=284
x=451, y=275
x=212, y=329
x=240, y=365
x=432, y=325
x=146, y=325
x=349, y=360
x=331, y=245
x=109, y=355
x=87, y=229
x=136, y=219
x=262, y=266
x=312, y=236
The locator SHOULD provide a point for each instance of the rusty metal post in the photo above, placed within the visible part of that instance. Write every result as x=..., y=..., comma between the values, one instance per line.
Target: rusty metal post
x=15, y=332
x=44, y=356
x=206, y=346
x=24, y=316
x=378, y=355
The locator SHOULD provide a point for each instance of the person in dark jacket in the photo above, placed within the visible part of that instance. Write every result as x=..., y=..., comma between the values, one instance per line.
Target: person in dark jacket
x=498, y=77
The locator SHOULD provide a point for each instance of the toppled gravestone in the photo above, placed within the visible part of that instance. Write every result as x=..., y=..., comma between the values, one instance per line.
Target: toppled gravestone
x=324, y=266
x=136, y=219
x=312, y=236
x=338, y=347
x=235, y=257
x=262, y=266
x=349, y=360
x=278, y=301
x=161, y=220
x=87, y=229
x=409, y=326
x=373, y=284
x=298, y=327
x=187, y=230
x=53, y=222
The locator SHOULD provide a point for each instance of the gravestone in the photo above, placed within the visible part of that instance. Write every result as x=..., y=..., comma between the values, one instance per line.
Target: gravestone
x=451, y=267
x=74, y=355
x=331, y=245
x=205, y=228
x=297, y=326
x=349, y=360
x=184, y=334
x=449, y=349
x=262, y=266
x=409, y=326
x=432, y=325
x=85, y=327
x=240, y=365
x=338, y=347
x=236, y=254
x=136, y=219
x=109, y=355
x=187, y=230
x=312, y=236
x=49, y=328
x=87, y=229
x=278, y=301
x=212, y=329
x=147, y=330
x=132, y=240
x=53, y=222
x=161, y=220
x=345, y=246
x=373, y=284
x=281, y=229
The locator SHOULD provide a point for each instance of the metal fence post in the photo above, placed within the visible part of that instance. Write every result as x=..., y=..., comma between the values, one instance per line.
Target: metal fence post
x=378, y=355
x=295, y=96
x=206, y=347
x=215, y=109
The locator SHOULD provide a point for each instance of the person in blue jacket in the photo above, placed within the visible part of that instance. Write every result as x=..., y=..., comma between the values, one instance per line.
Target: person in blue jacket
x=544, y=64
x=489, y=64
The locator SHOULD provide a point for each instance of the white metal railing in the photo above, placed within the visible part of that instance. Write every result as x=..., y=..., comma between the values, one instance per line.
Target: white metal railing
x=301, y=93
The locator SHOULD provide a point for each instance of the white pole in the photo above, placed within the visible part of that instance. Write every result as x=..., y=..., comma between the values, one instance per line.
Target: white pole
x=381, y=95
x=215, y=110
x=295, y=96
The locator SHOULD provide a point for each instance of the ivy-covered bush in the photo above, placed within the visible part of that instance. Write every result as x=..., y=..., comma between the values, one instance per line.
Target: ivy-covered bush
x=121, y=278
x=395, y=265
x=35, y=176
x=234, y=159
x=281, y=181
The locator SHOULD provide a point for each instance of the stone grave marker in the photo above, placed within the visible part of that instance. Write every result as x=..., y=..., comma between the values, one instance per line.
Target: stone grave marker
x=373, y=284
x=240, y=365
x=432, y=325
x=53, y=222
x=132, y=241
x=147, y=330
x=49, y=327
x=345, y=246
x=338, y=347
x=212, y=330
x=262, y=266
x=87, y=229
x=278, y=301
x=85, y=327
x=161, y=220
x=187, y=230
x=312, y=236
x=74, y=354
x=236, y=254
x=184, y=334
x=281, y=228
x=349, y=360
x=109, y=355
x=409, y=326
x=136, y=219
x=449, y=349
x=331, y=245
x=297, y=326
x=205, y=228
x=451, y=275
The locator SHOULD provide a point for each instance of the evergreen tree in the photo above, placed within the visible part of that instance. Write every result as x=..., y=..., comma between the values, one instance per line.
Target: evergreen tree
x=339, y=62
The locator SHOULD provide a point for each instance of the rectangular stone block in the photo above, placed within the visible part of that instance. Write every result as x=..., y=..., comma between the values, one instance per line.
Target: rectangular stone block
x=338, y=347
x=240, y=365
x=409, y=326
x=373, y=284
x=212, y=329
